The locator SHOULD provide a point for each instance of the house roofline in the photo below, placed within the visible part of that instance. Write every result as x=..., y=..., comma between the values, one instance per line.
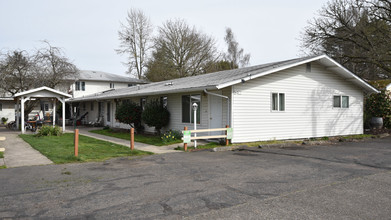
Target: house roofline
x=96, y=98
x=363, y=84
x=40, y=89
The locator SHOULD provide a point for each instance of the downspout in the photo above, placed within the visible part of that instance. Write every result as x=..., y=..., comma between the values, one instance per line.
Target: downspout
x=228, y=104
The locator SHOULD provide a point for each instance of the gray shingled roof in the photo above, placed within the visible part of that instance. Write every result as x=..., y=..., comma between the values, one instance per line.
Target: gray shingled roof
x=93, y=75
x=216, y=80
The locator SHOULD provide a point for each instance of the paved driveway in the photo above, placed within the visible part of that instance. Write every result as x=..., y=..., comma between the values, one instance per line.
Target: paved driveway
x=345, y=181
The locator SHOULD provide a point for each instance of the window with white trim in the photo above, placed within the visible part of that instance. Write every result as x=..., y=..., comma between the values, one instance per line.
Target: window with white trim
x=111, y=85
x=340, y=101
x=278, y=101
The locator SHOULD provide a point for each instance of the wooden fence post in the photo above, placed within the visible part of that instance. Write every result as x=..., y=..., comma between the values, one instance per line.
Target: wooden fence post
x=76, y=142
x=132, y=138
x=226, y=139
x=185, y=144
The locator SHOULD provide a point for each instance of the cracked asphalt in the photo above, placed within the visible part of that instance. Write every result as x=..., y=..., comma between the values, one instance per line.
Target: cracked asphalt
x=343, y=181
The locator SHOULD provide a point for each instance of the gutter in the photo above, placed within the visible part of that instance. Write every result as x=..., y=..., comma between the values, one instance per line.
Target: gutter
x=228, y=104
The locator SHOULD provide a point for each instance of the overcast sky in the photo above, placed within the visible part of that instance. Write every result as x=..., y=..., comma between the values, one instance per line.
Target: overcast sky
x=87, y=30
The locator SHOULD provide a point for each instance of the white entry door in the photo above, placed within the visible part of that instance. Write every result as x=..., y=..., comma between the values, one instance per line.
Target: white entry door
x=215, y=113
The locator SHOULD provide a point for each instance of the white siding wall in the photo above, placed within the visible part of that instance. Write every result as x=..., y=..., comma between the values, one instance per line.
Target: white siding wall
x=309, y=108
x=92, y=87
x=8, y=110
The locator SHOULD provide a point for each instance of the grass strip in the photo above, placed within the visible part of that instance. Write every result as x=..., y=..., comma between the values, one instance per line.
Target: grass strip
x=142, y=138
x=60, y=149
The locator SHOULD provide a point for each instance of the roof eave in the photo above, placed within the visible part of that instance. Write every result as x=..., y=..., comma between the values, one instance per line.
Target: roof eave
x=97, y=98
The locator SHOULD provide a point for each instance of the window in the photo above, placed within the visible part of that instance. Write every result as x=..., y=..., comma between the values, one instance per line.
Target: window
x=46, y=107
x=108, y=111
x=84, y=106
x=143, y=101
x=111, y=85
x=92, y=106
x=341, y=101
x=129, y=85
x=80, y=86
x=1, y=106
x=187, y=108
x=278, y=102
x=163, y=100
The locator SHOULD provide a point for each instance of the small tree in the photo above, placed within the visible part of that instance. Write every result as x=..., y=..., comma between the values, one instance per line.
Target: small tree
x=129, y=113
x=156, y=115
x=379, y=105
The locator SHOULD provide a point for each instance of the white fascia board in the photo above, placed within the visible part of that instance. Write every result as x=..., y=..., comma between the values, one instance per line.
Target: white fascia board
x=354, y=76
x=221, y=86
x=40, y=89
x=337, y=65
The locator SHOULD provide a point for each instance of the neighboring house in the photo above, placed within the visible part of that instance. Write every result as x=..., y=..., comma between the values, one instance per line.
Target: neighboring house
x=7, y=109
x=300, y=98
x=91, y=82
x=87, y=83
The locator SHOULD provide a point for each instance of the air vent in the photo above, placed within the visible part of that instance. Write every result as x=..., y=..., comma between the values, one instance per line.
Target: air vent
x=308, y=68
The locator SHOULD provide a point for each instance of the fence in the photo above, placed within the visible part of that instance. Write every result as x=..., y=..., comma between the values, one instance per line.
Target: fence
x=187, y=138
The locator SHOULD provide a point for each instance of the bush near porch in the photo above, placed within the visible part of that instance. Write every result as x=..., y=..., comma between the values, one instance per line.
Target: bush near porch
x=60, y=149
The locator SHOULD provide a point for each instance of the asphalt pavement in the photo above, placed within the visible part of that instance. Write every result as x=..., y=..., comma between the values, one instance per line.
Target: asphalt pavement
x=342, y=181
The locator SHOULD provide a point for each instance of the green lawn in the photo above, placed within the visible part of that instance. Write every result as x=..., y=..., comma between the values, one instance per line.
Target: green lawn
x=142, y=138
x=1, y=154
x=60, y=149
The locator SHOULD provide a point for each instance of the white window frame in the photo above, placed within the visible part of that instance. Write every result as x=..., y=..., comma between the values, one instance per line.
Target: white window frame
x=278, y=102
x=111, y=85
x=341, y=102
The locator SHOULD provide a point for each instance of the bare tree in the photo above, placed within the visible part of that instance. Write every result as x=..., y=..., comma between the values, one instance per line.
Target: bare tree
x=354, y=32
x=135, y=40
x=53, y=67
x=16, y=72
x=20, y=71
x=180, y=51
x=235, y=55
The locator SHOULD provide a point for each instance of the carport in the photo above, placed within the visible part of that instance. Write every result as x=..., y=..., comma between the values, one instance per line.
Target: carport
x=40, y=93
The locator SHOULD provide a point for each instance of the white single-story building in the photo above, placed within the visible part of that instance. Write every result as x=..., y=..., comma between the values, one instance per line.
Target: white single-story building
x=299, y=98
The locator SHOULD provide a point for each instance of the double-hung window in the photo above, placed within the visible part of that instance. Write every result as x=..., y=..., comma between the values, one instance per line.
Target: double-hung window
x=278, y=102
x=187, y=108
x=341, y=101
x=80, y=86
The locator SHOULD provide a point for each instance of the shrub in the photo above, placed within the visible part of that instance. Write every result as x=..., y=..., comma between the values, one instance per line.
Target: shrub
x=4, y=120
x=171, y=135
x=156, y=115
x=49, y=131
x=129, y=113
x=378, y=105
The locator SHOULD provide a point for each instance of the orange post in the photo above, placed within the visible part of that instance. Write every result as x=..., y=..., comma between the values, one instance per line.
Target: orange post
x=76, y=142
x=132, y=138
x=185, y=144
x=226, y=139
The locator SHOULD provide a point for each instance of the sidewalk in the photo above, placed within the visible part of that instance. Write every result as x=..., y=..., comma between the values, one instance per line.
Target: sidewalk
x=137, y=145
x=18, y=153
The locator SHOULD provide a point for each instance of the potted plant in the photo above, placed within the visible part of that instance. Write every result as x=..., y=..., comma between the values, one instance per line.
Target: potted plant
x=378, y=107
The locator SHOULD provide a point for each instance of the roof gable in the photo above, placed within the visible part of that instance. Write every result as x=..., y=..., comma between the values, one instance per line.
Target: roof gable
x=42, y=92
